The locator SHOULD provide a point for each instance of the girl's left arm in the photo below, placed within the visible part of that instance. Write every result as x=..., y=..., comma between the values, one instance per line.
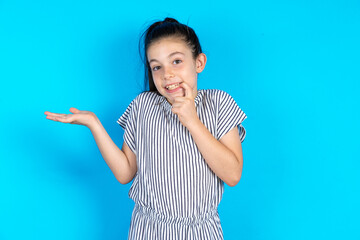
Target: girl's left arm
x=223, y=156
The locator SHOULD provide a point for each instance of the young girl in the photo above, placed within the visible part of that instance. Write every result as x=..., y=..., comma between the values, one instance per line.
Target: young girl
x=180, y=143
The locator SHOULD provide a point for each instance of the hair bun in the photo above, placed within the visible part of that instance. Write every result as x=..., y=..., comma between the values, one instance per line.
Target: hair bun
x=170, y=20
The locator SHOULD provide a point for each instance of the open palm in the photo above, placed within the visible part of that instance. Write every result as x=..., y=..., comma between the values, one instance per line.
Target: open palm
x=77, y=117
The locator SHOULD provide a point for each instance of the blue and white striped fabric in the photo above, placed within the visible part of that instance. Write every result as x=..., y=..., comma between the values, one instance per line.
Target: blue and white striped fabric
x=176, y=194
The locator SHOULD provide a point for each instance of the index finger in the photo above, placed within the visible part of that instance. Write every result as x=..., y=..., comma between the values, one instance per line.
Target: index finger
x=188, y=90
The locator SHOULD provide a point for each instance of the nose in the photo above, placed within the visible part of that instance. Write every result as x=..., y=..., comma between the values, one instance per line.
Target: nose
x=168, y=73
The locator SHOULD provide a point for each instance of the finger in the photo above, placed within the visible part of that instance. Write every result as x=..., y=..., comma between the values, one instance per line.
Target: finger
x=66, y=118
x=175, y=110
x=178, y=100
x=74, y=110
x=48, y=113
x=51, y=118
x=54, y=114
x=56, y=118
x=176, y=105
x=188, y=90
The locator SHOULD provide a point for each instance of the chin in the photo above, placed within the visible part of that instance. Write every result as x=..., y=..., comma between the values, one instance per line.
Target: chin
x=178, y=94
x=174, y=95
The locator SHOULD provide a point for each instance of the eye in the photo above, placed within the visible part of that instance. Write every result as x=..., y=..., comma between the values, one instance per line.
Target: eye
x=156, y=68
x=177, y=61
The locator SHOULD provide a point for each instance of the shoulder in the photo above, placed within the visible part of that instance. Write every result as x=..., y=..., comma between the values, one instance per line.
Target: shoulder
x=215, y=95
x=214, y=92
x=146, y=98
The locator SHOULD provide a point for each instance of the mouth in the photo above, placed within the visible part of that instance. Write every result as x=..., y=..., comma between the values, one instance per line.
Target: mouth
x=172, y=86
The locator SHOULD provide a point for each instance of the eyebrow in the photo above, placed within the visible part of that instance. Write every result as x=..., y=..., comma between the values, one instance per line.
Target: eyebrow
x=170, y=55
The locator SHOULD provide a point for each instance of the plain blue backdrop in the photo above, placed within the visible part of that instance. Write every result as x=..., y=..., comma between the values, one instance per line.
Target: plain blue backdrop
x=292, y=66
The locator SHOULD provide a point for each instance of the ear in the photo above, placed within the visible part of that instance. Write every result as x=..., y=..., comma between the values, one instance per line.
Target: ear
x=200, y=62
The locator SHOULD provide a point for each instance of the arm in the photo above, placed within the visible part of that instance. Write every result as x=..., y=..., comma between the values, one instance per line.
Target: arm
x=121, y=163
x=224, y=157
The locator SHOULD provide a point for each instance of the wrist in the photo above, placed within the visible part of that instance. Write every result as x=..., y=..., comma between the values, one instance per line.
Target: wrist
x=194, y=125
x=93, y=121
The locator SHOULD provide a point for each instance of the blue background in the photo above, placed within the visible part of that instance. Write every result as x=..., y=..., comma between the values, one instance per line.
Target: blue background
x=292, y=66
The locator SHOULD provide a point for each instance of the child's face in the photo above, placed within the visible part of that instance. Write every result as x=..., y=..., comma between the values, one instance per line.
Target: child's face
x=171, y=62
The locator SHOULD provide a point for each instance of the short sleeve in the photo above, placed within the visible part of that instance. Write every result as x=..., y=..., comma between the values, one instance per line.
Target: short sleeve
x=230, y=115
x=128, y=122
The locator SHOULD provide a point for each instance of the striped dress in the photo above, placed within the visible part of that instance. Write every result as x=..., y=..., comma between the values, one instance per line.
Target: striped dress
x=175, y=192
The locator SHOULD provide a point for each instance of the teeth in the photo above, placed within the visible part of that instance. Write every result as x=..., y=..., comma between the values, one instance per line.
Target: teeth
x=171, y=87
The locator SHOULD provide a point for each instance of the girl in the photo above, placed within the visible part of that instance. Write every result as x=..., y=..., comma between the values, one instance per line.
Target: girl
x=180, y=143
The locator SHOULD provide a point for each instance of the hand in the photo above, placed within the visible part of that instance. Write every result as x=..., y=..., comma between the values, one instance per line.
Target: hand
x=184, y=107
x=85, y=118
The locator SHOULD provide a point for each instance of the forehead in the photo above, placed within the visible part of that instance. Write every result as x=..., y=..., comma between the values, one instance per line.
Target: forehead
x=166, y=46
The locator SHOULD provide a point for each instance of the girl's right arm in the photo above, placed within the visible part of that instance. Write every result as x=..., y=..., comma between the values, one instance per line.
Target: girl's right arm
x=122, y=163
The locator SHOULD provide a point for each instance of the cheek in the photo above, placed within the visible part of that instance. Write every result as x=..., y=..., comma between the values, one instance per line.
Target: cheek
x=157, y=82
x=156, y=75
